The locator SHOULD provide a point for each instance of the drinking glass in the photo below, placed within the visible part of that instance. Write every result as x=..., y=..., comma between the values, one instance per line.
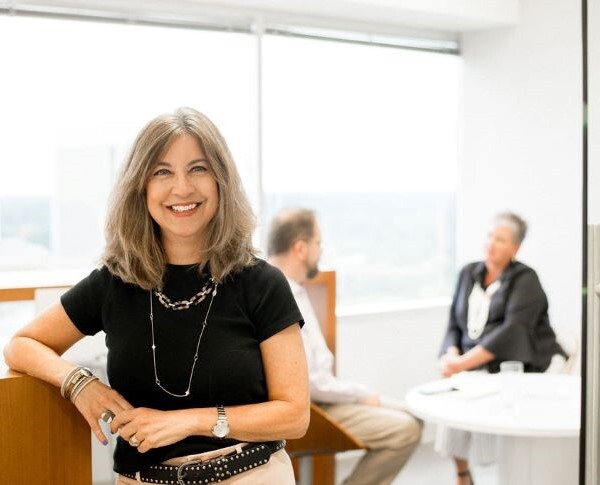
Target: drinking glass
x=510, y=373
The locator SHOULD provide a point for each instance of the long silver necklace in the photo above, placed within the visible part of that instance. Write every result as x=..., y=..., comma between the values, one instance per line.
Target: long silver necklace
x=204, y=323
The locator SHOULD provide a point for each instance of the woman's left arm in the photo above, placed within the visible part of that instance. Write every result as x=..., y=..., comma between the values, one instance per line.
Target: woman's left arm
x=284, y=416
x=287, y=412
x=476, y=357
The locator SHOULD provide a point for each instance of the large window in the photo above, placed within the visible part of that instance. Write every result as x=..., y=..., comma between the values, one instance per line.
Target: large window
x=367, y=137
x=364, y=135
x=74, y=95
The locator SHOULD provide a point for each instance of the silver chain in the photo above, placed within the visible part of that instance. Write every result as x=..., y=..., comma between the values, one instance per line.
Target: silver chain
x=204, y=323
x=185, y=304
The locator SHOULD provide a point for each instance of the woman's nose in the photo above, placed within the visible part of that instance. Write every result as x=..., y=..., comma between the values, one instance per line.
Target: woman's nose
x=182, y=185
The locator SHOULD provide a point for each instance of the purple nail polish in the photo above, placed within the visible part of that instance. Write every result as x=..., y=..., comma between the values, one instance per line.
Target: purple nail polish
x=105, y=442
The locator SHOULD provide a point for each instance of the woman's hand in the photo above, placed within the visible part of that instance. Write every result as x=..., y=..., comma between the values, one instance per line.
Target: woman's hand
x=96, y=398
x=153, y=428
x=451, y=363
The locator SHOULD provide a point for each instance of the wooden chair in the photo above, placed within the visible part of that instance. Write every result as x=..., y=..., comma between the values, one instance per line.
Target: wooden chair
x=325, y=436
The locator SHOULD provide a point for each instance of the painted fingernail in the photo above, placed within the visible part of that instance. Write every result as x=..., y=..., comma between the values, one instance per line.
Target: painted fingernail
x=105, y=442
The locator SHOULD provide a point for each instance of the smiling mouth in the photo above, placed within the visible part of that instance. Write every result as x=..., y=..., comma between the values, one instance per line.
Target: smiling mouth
x=183, y=208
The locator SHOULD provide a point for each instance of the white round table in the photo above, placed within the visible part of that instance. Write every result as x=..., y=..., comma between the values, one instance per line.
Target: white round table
x=538, y=440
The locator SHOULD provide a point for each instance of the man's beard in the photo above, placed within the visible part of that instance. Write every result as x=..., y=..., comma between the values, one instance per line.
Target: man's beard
x=312, y=271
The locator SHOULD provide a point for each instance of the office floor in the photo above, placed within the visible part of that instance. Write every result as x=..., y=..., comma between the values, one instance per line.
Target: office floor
x=425, y=467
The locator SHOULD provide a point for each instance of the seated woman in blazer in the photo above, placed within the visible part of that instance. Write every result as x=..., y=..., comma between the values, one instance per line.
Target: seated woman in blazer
x=499, y=312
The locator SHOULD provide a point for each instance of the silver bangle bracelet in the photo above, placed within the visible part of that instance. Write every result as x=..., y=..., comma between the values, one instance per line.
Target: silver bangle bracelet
x=72, y=379
x=81, y=385
x=66, y=380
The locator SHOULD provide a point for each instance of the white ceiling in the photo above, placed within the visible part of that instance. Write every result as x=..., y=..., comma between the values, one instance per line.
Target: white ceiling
x=386, y=16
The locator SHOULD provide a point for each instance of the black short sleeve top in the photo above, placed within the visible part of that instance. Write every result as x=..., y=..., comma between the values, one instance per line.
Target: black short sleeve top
x=250, y=306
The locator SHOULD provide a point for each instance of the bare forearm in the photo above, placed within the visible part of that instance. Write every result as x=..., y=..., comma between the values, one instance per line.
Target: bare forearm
x=272, y=420
x=29, y=356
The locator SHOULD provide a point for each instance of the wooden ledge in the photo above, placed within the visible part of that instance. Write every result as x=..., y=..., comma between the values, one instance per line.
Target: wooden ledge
x=44, y=439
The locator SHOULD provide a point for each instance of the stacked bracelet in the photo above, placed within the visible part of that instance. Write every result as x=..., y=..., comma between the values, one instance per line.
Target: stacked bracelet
x=75, y=381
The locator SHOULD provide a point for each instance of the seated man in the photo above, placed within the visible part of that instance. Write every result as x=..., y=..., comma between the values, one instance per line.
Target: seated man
x=390, y=433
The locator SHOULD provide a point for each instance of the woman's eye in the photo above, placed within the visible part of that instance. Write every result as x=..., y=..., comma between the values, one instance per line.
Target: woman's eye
x=162, y=171
x=198, y=168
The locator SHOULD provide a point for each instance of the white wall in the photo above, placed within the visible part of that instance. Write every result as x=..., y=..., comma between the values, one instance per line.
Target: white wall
x=391, y=352
x=522, y=145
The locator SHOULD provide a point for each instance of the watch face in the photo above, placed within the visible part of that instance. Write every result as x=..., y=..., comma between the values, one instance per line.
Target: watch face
x=221, y=429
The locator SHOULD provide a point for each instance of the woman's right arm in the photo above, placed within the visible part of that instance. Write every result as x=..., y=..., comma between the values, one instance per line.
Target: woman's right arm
x=36, y=350
x=37, y=347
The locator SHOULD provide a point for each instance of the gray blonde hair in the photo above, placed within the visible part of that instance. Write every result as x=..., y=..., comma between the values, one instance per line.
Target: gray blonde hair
x=514, y=222
x=289, y=226
x=134, y=249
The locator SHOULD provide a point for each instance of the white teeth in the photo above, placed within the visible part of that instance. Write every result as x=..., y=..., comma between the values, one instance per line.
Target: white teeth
x=183, y=208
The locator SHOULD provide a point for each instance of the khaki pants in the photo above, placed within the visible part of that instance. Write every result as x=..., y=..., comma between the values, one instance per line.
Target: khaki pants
x=277, y=471
x=390, y=434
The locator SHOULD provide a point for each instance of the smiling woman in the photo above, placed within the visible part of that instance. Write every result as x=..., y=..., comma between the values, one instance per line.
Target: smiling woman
x=203, y=337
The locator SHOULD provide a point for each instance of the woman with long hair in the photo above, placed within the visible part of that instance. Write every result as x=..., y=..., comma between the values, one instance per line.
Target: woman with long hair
x=205, y=360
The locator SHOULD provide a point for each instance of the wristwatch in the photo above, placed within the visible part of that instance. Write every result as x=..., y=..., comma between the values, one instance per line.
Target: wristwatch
x=221, y=427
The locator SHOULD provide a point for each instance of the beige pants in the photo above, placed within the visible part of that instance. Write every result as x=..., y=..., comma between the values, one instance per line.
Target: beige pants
x=277, y=471
x=390, y=434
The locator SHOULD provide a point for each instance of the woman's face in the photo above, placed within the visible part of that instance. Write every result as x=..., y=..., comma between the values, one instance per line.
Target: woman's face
x=501, y=246
x=181, y=194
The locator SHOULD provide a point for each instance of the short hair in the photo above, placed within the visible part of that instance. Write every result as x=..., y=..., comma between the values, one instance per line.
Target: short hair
x=516, y=223
x=289, y=226
x=134, y=249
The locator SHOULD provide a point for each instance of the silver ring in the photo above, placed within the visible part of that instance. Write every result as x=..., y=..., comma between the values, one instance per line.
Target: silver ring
x=133, y=441
x=107, y=416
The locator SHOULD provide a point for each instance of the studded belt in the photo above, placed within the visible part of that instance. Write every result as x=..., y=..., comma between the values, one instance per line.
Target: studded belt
x=213, y=470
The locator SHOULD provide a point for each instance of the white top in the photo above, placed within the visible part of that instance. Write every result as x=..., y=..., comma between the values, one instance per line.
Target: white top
x=548, y=404
x=479, y=308
x=324, y=385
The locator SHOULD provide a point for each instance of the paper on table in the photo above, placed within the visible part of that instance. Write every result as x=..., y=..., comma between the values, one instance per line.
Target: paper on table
x=474, y=385
x=437, y=387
